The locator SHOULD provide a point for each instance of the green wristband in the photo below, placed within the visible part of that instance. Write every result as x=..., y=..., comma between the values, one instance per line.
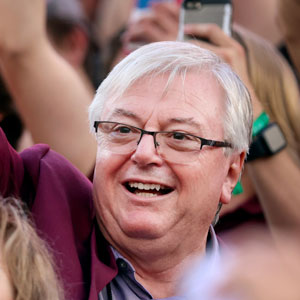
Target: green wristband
x=260, y=123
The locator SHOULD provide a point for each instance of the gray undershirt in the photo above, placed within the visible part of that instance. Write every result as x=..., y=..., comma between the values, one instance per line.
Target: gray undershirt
x=125, y=287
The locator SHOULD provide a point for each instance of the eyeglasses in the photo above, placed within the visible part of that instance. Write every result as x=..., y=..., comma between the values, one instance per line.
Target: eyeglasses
x=173, y=146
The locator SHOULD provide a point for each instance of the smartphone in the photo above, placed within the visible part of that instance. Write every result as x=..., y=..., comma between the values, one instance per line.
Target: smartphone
x=205, y=11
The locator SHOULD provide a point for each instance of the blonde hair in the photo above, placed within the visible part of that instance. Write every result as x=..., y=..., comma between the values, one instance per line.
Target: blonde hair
x=25, y=256
x=275, y=85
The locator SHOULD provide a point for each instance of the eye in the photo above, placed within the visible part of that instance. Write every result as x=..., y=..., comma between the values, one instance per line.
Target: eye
x=123, y=129
x=179, y=136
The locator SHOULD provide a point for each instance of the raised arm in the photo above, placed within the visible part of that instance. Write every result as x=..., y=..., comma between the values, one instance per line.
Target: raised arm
x=48, y=93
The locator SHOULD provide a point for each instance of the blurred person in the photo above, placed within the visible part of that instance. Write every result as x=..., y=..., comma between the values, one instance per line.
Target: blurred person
x=107, y=20
x=261, y=18
x=162, y=170
x=48, y=94
x=159, y=24
x=110, y=19
x=256, y=270
x=258, y=17
x=288, y=19
x=70, y=32
x=26, y=267
x=271, y=179
x=147, y=25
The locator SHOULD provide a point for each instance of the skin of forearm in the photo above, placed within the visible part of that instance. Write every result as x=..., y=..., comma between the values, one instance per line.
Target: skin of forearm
x=277, y=183
x=52, y=101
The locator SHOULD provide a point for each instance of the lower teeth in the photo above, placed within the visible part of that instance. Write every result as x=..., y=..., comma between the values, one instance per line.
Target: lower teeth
x=147, y=195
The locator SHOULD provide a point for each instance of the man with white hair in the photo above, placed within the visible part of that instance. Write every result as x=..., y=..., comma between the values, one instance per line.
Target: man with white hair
x=173, y=125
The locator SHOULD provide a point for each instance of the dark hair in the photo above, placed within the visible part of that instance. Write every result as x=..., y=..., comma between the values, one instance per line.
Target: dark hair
x=11, y=123
x=5, y=99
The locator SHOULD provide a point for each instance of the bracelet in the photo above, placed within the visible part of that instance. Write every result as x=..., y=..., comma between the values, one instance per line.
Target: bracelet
x=260, y=123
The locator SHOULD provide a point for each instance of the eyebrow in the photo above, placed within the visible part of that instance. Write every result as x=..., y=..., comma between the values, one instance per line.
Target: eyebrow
x=187, y=121
x=120, y=112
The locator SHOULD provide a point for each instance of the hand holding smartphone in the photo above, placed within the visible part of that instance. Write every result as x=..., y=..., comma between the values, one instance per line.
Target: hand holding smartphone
x=205, y=11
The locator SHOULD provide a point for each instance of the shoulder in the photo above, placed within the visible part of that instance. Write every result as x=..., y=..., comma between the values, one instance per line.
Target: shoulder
x=49, y=169
x=59, y=195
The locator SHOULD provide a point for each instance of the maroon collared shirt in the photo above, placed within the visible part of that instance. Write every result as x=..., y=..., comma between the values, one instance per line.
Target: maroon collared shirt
x=61, y=201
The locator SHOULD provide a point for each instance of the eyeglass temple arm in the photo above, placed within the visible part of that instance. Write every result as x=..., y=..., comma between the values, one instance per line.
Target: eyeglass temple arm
x=212, y=143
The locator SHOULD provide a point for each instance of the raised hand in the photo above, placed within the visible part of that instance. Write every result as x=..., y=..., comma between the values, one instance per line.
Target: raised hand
x=22, y=24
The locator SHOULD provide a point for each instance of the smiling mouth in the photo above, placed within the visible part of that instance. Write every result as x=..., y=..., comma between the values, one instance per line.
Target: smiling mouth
x=147, y=189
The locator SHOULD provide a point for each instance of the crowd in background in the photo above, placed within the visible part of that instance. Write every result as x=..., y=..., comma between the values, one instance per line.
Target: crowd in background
x=54, y=55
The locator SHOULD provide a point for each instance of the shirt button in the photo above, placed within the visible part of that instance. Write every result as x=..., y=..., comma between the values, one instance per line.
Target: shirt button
x=122, y=264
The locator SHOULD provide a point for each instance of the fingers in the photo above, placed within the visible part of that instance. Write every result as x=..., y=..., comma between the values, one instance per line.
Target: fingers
x=167, y=9
x=211, y=32
x=144, y=30
x=223, y=45
x=166, y=16
x=218, y=41
x=231, y=51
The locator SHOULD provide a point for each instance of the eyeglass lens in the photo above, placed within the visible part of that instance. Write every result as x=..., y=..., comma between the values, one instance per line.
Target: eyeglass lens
x=175, y=147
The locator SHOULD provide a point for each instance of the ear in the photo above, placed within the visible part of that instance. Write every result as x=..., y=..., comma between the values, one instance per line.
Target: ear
x=232, y=177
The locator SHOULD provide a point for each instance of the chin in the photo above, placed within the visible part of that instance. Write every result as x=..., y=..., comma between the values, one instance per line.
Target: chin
x=142, y=229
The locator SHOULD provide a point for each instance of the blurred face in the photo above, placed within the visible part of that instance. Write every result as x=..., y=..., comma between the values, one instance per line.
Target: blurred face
x=142, y=196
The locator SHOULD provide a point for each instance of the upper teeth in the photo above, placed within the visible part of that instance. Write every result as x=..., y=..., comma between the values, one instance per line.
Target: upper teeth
x=145, y=186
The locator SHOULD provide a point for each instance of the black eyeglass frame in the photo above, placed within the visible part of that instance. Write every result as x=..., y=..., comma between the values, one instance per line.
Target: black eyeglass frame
x=204, y=142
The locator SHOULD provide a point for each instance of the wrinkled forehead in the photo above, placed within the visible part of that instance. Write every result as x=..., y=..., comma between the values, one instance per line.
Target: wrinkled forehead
x=190, y=85
x=197, y=98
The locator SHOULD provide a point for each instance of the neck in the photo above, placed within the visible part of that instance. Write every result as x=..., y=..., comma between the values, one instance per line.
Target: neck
x=163, y=277
x=159, y=266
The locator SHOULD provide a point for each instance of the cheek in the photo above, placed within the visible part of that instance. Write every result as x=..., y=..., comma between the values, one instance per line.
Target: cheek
x=102, y=169
x=107, y=163
x=202, y=182
x=104, y=176
x=108, y=169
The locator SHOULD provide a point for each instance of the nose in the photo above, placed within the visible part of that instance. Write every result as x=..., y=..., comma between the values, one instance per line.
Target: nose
x=146, y=153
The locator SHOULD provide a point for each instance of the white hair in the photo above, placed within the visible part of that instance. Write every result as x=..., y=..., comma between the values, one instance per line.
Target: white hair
x=180, y=58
